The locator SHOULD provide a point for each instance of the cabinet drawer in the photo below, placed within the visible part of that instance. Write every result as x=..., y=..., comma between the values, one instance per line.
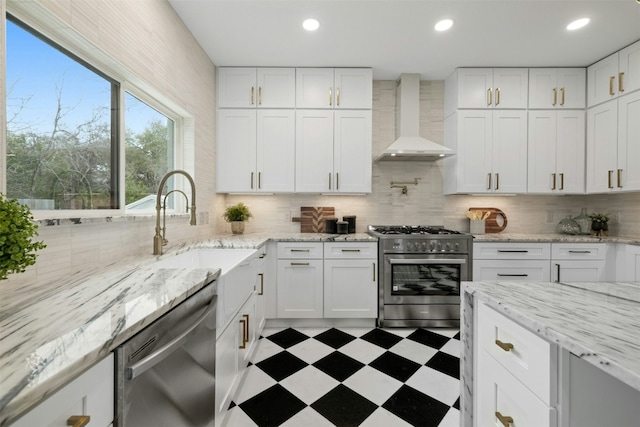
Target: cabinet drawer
x=530, y=359
x=90, y=394
x=500, y=392
x=579, y=251
x=342, y=250
x=511, y=250
x=295, y=250
x=511, y=270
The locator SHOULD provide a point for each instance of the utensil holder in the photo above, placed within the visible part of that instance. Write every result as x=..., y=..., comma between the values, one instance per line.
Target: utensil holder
x=477, y=226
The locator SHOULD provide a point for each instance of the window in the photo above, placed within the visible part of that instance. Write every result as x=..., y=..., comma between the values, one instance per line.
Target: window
x=64, y=134
x=62, y=127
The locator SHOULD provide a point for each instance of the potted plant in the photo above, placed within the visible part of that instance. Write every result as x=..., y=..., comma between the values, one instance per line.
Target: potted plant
x=17, y=229
x=237, y=215
x=599, y=224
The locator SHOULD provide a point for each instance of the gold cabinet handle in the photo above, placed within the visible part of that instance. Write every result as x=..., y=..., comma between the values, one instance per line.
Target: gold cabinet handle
x=497, y=181
x=554, y=181
x=246, y=331
x=620, y=85
x=330, y=96
x=300, y=250
x=497, y=96
x=337, y=180
x=561, y=96
x=374, y=271
x=619, y=178
x=78, y=420
x=259, y=95
x=609, y=179
x=562, y=181
x=489, y=181
x=242, y=346
x=329, y=180
x=337, y=97
x=253, y=89
x=261, y=283
x=252, y=180
x=611, y=79
x=259, y=179
x=555, y=96
x=506, y=346
x=300, y=264
x=506, y=421
x=489, y=96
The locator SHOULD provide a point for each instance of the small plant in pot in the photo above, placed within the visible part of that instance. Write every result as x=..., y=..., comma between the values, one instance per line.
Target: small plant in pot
x=237, y=215
x=17, y=230
x=599, y=224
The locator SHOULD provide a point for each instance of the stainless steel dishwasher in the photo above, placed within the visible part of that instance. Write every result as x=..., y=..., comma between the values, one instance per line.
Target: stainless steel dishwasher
x=165, y=374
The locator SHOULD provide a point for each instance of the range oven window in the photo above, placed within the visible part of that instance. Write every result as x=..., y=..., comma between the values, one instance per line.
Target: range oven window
x=425, y=279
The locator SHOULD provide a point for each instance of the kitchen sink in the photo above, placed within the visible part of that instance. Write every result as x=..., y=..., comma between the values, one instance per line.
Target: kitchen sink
x=224, y=259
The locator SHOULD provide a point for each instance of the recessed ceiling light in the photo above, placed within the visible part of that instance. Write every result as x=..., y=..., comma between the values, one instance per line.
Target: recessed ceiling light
x=444, y=25
x=578, y=23
x=310, y=24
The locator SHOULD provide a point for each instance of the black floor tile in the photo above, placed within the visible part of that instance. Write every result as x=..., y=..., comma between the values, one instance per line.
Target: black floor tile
x=334, y=338
x=382, y=338
x=426, y=337
x=288, y=338
x=395, y=366
x=457, y=336
x=445, y=363
x=338, y=365
x=344, y=407
x=272, y=407
x=457, y=404
x=416, y=408
x=281, y=365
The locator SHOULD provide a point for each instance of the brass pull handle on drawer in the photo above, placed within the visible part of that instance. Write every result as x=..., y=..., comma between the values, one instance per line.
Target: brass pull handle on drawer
x=506, y=421
x=300, y=263
x=78, y=420
x=243, y=322
x=299, y=250
x=620, y=85
x=506, y=346
x=611, y=79
x=261, y=283
x=555, y=96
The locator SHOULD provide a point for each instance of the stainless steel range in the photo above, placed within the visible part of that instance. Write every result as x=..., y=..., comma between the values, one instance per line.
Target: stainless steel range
x=421, y=268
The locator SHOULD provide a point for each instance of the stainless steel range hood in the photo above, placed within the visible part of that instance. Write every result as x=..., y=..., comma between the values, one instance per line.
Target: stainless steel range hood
x=408, y=144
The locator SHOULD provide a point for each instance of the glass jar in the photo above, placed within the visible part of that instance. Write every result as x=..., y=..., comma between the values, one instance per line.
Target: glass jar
x=583, y=221
x=568, y=226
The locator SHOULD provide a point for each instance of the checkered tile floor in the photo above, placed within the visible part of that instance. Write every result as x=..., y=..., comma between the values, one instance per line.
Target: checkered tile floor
x=351, y=377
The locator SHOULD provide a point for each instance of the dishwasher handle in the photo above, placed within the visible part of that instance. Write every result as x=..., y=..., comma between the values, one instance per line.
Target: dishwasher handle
x=163, y=352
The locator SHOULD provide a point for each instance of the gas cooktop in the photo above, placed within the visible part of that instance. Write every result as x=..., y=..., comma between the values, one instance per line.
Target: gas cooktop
x=409, y=230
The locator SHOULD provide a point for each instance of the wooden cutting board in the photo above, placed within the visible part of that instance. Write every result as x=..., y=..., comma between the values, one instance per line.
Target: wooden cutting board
x=312, y=219
x=494, y=221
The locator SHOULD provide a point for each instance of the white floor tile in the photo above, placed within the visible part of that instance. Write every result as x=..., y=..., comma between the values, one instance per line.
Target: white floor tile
x=236, y=417
x=255, y=381
x=266, y=349
x=308, y=417
x=383, y=418
x=452, y=347
x=440, y=386
x=452, y=419
x=373, y=384
x=412, y=350
x=309, y=384
x=362, y=351
x=310, y=350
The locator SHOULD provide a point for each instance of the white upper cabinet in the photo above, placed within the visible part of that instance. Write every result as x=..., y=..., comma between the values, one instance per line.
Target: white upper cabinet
x=340, y=88
x=615, y=75
x=256, y=87
x=556, y=147
x=491, y=88
x=613, y=145
x=555, y=88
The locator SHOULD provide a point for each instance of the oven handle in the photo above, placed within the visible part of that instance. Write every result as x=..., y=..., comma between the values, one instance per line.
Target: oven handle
x=162, y=353
x=429, y=261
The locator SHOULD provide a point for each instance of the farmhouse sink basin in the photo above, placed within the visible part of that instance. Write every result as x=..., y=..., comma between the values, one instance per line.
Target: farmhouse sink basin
x=224, y=259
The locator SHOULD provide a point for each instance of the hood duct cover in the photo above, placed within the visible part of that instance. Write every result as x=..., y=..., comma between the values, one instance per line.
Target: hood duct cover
x=408, y=144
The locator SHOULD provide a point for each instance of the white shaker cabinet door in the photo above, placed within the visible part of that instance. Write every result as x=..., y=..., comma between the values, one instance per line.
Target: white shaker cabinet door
x=352, y=151
x=629, y=142
x=602, y=152
x=275, y=151
x=314, y=151
x=300, y=288
x=350, y=288
x=353, y=88
x=314, y=88
x=509, y=151
x=236, y=150
x=276, y=88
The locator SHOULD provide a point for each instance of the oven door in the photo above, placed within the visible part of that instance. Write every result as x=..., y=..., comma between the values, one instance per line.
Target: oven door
x=424, y=278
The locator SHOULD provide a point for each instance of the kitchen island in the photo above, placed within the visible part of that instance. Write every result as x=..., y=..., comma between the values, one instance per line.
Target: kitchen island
x=596, y=323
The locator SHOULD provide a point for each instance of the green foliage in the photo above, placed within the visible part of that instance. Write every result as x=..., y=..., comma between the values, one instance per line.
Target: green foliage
x=17, y=229
x=599, y=217
x=237, y=212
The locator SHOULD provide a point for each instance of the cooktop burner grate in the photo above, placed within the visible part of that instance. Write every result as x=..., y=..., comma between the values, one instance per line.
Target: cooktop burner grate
x=411, y=229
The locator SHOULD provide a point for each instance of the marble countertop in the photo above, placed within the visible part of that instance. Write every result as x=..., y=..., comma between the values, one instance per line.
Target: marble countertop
x=552, y=238
x=598, y=322
x=53, y=331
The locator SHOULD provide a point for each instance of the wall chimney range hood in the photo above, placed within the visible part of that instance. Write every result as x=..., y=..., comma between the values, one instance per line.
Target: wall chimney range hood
x=408, y=144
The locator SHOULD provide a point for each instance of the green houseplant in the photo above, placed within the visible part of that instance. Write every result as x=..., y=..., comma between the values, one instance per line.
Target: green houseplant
x=237, y=215
x=17, y=230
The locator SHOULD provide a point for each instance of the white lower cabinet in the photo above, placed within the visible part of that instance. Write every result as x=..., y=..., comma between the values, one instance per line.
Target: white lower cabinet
x=89, y=395
x=627, y=266
x=578, y=262
x=511, y=261
x=300, y=288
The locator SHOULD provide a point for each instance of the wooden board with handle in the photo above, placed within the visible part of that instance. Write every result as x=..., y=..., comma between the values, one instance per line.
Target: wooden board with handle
x=496, y=222
x=312, y=219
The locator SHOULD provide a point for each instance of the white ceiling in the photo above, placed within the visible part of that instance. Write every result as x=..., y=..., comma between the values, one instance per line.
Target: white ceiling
x=397, y=36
